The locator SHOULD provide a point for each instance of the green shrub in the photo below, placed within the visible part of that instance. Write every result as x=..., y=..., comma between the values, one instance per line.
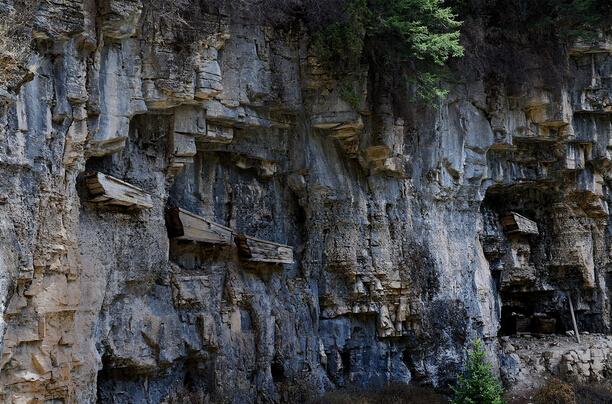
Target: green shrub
x=339, y=46
x=542, y=19
x=411, y=39
x=478, y=384
x=579, y=18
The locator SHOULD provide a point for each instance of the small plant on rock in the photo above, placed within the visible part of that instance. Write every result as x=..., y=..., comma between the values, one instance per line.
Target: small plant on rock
x=478, y=384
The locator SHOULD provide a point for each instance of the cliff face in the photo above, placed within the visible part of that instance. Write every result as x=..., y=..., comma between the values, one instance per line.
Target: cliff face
x=411, y=229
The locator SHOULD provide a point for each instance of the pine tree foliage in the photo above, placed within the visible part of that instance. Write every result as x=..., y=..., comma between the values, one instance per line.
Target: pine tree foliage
x=578, y=18
x=412, y=39
x=478, y=384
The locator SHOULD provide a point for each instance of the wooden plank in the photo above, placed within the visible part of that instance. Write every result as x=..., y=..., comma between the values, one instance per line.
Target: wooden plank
x=514, y=223
x=184, y=225
x=571, y=307
x=106, y=189
x=257, y=250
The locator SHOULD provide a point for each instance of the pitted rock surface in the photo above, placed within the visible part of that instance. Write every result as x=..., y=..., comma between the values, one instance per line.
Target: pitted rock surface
x=395, y=213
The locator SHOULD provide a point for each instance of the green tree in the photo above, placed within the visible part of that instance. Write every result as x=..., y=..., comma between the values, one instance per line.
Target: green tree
x=339, y=46
x=580, y=18
x=478, y=384
x=412, y=39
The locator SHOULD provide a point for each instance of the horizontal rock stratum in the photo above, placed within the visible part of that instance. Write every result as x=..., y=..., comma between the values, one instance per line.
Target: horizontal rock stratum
x=324, y=243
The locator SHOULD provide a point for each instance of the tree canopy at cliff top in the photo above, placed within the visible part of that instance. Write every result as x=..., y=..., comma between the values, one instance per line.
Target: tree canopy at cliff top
x=411, y=37
x=414, y=39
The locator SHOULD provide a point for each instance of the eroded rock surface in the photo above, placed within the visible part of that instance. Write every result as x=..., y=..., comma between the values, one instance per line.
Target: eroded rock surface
x=525, y=357
x=395, y=213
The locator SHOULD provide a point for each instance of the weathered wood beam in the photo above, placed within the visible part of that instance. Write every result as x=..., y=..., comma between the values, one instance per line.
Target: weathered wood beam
x=571, y=307
x=257, y=250
x=514, y=223
x=109, y=190
x=184, y=225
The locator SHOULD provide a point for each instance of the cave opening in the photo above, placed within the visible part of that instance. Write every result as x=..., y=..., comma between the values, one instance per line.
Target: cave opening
x=535, y=245
x=278, y=371
x=345, y=358
x=532, y=313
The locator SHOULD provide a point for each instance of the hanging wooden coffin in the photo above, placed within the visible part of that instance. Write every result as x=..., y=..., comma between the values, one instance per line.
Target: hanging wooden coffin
x=185, y=225
x=516, y=224
x=254, y=249
x=109, y=190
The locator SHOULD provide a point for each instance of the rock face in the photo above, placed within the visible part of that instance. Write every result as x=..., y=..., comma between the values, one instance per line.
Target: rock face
x=562, y=357
x=411, y=230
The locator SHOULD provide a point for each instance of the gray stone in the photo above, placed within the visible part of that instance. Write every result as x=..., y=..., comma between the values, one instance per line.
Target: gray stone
x=393, y=211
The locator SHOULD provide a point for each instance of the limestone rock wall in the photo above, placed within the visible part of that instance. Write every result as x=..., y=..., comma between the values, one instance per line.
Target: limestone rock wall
x=561, y=357
x=394, y=213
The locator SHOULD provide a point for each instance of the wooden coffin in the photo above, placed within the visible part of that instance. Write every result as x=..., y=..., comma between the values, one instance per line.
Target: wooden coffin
x=514, y=223
x=546, y=325
x=256, y=250
x=184, y=225
x=108, y=190
x=522, y=325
